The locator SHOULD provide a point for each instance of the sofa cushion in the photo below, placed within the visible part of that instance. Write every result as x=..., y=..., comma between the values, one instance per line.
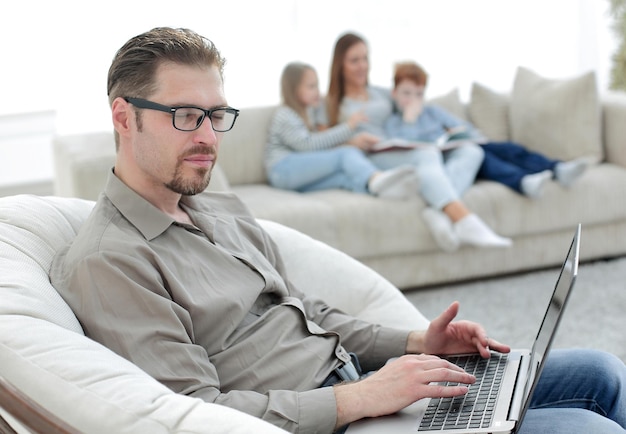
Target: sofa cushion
x=242, y=150
x=613, y=116
x=451, y=102
x=301, y=211
x=489, y=112
x=559, y=118
x=82, y=163
x=511, y=214
x=360, y=225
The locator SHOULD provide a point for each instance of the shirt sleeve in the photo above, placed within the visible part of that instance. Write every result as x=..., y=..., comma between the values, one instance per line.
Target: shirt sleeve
x=430, y=125
x=372, y=343
x=395, y=128
x=448, y=120
x=291, y=131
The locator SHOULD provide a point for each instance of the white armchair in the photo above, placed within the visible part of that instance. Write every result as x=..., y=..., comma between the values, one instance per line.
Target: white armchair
x=52, y=377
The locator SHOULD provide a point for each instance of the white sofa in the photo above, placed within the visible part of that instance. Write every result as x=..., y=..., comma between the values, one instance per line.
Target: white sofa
x=55, y=370
x=564, y=118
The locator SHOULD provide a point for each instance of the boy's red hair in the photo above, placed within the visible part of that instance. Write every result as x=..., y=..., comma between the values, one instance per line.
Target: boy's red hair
x=410, y=71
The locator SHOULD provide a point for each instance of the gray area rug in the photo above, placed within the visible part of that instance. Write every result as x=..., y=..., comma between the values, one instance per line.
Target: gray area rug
x=512, y=307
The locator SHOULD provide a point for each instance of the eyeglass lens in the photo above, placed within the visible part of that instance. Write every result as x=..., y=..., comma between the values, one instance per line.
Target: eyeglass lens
x=190, y=118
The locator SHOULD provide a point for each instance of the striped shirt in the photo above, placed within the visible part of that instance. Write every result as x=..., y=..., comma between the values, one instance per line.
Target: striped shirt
x=289, y=133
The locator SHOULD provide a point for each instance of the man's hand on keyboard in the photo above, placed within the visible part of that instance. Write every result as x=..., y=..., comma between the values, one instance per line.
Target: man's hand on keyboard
x=398, y=384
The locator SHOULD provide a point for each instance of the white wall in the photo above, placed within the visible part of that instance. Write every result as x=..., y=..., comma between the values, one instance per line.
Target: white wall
x=56, y=53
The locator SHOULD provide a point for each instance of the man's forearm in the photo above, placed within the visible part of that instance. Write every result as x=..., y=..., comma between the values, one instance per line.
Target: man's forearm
x=349, y=403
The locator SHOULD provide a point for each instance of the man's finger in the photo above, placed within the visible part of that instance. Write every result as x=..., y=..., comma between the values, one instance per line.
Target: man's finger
x=446, y=317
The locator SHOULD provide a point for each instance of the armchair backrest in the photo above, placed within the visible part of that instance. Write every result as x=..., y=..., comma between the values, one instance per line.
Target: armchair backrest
x=53, y=369
x=32, y=229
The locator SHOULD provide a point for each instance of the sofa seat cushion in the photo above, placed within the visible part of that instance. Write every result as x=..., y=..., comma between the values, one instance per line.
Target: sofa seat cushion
x=511, y=214
x=298, y=211
x=357, y=224
x=366, y=227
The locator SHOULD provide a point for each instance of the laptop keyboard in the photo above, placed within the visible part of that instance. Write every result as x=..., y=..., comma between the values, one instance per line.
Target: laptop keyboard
x=474, y=409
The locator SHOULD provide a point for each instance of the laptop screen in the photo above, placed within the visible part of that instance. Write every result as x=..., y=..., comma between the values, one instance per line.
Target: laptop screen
x=551, y=320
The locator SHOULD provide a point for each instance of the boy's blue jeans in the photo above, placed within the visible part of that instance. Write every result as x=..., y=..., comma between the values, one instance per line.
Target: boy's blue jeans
x=508, y=163
x=444, y=176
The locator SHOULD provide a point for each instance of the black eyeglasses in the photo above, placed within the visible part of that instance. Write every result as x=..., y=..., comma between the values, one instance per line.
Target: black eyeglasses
x=189, y=118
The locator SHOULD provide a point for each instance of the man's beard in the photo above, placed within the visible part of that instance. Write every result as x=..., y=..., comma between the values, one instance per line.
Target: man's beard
x=189, y=187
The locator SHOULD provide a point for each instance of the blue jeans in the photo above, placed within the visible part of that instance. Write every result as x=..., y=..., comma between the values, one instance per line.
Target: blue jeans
x=444, y=176
x=580, y=391
x=344, y=167
x=508, y=163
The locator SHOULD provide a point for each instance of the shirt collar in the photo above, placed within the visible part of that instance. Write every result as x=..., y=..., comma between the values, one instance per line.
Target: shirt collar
x=148, y=219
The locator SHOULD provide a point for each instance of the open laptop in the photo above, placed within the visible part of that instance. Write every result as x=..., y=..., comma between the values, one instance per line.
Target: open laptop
x=507, y=406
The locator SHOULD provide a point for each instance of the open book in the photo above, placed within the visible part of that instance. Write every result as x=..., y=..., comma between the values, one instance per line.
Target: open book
x=451, y=139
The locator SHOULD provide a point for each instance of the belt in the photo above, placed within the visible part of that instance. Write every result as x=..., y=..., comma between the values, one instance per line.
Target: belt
x=349, y=371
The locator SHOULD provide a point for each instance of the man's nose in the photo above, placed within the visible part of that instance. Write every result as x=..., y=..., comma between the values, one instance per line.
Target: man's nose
x=206, y=131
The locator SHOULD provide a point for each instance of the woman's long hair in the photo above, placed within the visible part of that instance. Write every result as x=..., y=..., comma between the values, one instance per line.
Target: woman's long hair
x=336, y=85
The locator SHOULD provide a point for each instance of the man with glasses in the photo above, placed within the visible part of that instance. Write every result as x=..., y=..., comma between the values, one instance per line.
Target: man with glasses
x=187, y=285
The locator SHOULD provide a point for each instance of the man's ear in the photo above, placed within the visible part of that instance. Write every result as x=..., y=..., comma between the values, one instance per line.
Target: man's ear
x=121, y=113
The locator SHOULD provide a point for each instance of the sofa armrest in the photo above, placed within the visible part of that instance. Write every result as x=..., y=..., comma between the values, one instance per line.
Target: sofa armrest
x=82, y=163
x=614, y=127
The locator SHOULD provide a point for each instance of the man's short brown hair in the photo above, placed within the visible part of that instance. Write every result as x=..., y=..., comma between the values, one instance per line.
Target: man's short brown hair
x=134, y=67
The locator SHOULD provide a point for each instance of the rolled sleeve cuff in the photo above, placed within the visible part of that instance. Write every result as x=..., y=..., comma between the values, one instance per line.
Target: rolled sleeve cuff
x=389, y=343
x=318, y=411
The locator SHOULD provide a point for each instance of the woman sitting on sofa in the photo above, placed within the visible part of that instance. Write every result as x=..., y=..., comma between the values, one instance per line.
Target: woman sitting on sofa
x=298, y=157
x=450, y=221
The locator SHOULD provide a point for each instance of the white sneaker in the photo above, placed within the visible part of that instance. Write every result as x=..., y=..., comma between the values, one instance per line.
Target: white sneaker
x=473, y=231
x=532, y=185
x=398, y=183
x=568, y=172
x=441, y=229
